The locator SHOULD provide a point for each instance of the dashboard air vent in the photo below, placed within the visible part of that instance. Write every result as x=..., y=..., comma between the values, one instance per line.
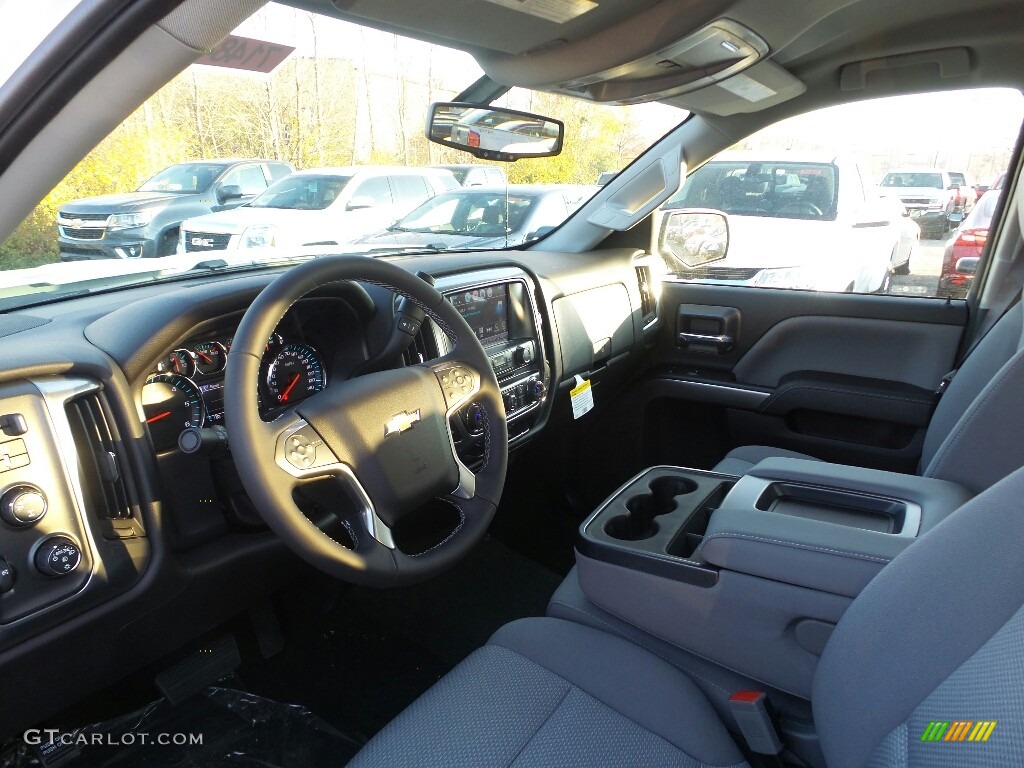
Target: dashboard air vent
x=100, y=465
x=648, y=302
x=423, y=347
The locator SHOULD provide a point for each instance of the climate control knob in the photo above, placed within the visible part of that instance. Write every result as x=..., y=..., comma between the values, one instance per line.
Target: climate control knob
x=22, y=505
x=57, y=556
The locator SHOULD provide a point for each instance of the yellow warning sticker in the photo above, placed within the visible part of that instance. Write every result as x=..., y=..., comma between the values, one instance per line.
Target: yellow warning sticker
x=582, y=397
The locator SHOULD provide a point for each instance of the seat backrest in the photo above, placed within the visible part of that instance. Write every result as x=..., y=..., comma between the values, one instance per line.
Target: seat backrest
x=976, y=435
x=934, y=645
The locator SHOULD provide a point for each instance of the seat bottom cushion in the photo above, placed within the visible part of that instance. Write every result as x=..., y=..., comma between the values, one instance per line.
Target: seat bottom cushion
x=547, y=692
x=739, y=460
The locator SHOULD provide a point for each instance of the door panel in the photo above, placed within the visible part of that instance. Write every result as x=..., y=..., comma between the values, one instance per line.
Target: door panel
x=844, y=377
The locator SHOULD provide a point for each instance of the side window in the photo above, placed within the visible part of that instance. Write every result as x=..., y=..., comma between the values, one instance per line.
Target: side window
x=847, y=199
x=278, y=171
x=249, y=177
x=409, y=191
x=376, y=188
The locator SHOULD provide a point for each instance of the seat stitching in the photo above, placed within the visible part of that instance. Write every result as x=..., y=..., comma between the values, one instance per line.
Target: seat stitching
x=797, y=545
x=702, y=656
x=609, y=706
x=643, y=645
x=529, y=741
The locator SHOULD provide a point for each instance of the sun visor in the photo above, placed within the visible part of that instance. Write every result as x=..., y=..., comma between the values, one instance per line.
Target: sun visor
x=763, y=85
x=714, y=52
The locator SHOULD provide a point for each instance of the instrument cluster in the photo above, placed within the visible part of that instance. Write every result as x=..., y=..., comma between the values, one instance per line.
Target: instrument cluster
x=187, y=387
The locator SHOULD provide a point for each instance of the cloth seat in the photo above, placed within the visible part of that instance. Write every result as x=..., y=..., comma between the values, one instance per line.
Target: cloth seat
x=973, y=437
x=547, y=692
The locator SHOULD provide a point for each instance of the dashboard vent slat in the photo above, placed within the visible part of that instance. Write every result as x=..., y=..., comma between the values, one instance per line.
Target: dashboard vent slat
x=100, y=467
x=423, y=347
x=648, y=302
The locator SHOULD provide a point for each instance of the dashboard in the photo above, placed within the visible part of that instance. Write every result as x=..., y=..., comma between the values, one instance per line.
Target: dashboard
x=113, y=538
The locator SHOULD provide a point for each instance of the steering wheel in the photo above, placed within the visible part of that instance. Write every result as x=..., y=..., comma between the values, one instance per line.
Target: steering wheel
x=383, y=439
x=804, y=209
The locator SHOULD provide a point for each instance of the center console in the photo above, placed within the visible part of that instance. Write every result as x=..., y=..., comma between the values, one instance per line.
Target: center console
x=500, y=307
x=753, y=572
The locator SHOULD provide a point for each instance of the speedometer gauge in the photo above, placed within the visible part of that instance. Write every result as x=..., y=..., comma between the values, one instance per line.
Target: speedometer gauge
x=294, y=374
x=172, y=403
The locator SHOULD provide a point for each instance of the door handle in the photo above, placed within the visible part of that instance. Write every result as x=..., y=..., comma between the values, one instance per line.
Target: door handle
x=704, y=338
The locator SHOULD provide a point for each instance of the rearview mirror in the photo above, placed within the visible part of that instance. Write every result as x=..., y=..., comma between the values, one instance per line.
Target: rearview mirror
x=493, y=133
x=695, y=237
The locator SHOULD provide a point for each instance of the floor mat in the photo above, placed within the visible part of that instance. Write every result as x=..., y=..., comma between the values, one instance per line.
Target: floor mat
x=367, y=658
x=353, y=659
x=217, y=728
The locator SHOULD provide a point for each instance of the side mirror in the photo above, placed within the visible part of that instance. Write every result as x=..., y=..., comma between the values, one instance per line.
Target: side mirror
x=968, y=265
x=695, y=237
x=493, y=133
x=539, y=233
x=360, y=203
x=229, y=192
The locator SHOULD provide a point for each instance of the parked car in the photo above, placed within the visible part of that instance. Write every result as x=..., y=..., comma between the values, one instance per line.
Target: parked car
x=932, y=196
x=507, y=134
x=484, y=217
x=324, y=206
x=838, y=235
x=476, y=174
x=145, y=223
x=965, y=196
x=963, y=251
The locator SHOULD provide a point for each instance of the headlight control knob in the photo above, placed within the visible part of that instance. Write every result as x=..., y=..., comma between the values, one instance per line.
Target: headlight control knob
x=22, y=505
x=57, y=556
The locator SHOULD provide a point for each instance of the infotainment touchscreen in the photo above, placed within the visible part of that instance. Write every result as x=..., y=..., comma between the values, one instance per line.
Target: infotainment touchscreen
x=486, y=311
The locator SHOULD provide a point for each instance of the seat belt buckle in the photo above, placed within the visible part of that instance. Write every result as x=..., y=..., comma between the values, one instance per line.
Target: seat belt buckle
x=750, y=710
x=945, y=382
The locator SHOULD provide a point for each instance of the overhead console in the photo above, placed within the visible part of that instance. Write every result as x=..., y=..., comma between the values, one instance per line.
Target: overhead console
x=776, y=556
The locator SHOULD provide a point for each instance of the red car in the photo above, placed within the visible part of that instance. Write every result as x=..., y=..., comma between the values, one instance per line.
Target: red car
x=964, y=249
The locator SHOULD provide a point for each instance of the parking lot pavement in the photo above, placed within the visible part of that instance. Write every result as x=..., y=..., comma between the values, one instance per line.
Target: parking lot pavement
x=925, y=265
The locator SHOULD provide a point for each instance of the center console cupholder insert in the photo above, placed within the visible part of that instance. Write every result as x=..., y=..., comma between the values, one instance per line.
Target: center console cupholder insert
x=640, y=522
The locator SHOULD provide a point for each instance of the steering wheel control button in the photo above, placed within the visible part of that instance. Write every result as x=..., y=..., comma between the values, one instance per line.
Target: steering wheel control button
x=457, y=383
x=22, y=505
x=57, y=556
x=474, y=419
x=6, y=576
x=302, y=448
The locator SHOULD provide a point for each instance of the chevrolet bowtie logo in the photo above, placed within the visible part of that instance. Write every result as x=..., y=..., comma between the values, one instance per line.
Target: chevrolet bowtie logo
x=400, y=422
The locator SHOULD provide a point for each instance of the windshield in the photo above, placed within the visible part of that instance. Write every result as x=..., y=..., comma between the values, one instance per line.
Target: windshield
x=302, y=192
x=933, y=180
x=339, y=95
x=762, y=187
x=186, y=177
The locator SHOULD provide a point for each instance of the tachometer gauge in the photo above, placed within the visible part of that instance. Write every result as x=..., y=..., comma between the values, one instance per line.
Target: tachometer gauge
x=211, y=357
x=181, y=361
x=294, y=374
x=172, y=403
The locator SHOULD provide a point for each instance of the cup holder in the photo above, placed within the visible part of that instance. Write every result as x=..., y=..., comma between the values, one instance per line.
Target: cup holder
x=639, y=523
